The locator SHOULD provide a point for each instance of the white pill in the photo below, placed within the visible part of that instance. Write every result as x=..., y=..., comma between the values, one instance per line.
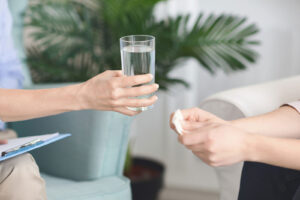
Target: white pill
x=177, y=119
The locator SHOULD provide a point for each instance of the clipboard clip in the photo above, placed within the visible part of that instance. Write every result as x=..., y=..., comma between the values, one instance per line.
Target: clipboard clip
x=33, y=142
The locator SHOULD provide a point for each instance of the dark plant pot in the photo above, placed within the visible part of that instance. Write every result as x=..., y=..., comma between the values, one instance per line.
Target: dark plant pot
x=146, y=177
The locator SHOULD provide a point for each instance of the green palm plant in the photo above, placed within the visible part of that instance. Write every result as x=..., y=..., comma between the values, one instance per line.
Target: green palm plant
x=75, y=40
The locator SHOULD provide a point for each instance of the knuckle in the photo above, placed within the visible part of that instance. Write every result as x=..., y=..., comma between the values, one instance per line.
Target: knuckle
x=211, y=148
x=138, y=103
x=217, y=126
x=152, y=88
x=147, y=102
x=213, y=164
x=138, y=90
x=144, y=103
x=134, y=80
x=185, y=141
x=129, y=114
x=115, y=94
x=133, y=103
x=212, y=158
x=211, y=136
x=113, y=104
x=107, y=72
x=112, y=84
x=132, y=114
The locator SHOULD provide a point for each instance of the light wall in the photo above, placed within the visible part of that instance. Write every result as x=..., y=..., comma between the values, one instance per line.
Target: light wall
x=280, y=57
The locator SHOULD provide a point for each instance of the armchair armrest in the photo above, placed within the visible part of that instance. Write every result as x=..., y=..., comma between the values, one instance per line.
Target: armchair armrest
x=255, y=99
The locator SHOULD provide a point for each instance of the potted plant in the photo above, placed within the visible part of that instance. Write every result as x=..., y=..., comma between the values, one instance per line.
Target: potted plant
x=75, y=40
x=146, y=175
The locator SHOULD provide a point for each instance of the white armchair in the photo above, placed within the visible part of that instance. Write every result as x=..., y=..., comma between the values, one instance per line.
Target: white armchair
x=246, y=102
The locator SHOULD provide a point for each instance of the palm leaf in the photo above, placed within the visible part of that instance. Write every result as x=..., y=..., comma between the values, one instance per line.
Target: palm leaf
x=74, y=40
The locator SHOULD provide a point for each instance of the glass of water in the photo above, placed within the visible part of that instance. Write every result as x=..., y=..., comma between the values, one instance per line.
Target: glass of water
x=138, y=57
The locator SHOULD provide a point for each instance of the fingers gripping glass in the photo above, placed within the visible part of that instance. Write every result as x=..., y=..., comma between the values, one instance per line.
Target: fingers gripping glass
x=138, y=57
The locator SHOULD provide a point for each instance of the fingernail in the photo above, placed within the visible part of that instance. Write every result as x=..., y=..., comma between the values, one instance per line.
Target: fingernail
x=155, y=98
x=156, y=85
x=151, y=76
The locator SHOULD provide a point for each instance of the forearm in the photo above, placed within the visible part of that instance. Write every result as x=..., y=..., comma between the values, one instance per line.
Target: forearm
x=283, y=122
x=110, y=91
x=18, y=105
x=274, y=151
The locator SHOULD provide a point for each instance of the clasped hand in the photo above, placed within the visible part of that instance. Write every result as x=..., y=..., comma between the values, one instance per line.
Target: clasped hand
x=215, y=141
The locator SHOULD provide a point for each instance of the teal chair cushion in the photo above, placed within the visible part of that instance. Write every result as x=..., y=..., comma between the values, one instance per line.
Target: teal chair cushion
x=107, y=188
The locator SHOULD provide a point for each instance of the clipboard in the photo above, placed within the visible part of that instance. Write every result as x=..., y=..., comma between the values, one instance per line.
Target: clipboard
x=22, y=145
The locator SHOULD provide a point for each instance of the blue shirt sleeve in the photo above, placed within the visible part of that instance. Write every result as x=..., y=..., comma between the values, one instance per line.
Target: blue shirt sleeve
x=10, y=65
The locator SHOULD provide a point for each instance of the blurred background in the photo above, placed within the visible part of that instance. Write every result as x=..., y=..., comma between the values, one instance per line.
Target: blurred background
x=279, y=57
x=266, y=46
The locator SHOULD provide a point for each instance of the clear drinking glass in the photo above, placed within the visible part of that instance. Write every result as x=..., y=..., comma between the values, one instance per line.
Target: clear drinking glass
x=138, y=57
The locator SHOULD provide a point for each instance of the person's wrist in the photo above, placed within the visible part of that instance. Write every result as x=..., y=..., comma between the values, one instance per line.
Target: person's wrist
x=234, y=123
x=77, y=96
x=252, y=144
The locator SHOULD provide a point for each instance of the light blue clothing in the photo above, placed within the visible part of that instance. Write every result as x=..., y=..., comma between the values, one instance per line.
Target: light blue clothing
x=10, y=65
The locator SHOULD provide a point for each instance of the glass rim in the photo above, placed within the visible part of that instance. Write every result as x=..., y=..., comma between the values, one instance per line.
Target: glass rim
x=150, y=38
